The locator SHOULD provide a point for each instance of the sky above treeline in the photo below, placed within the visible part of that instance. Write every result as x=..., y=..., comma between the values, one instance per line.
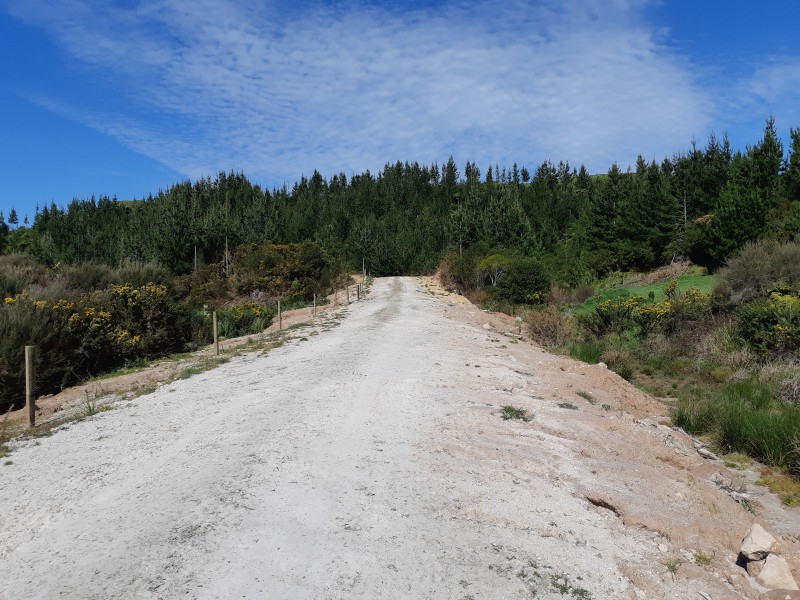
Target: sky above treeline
x=125, y=98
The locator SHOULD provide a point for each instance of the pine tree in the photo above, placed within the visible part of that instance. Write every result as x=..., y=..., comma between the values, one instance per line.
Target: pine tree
x=791, y=175
x=13, y=219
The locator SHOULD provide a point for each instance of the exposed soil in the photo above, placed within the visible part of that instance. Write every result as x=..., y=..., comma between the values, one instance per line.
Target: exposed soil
x=367, y=457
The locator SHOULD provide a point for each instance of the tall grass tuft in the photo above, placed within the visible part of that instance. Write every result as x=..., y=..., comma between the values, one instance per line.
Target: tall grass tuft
x=745, y=416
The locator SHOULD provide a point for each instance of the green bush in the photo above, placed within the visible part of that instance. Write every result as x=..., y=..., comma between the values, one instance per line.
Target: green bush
x=286, y=270
x=85, y=277
x=771, y=325
x=524, y=281
x=459, y=272
x=760, y=268
x=18, y=272
x=138, y=273
x=76, y=339
x=244, y=319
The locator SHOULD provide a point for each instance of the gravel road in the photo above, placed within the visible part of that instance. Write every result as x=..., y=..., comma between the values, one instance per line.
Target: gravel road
x=366, y=458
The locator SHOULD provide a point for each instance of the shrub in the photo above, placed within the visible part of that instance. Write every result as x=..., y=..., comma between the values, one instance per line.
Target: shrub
x=289, y=270
x=771, y=325
x=243, y=319
x=459, y=272
x=18, y=272
x=547, y=327
x=138, y=273
x=79, y=338
x=86, y=277
x=761, y=268
x=619, y=362
x=524, y=282
x=149, y=313
x=645, y=315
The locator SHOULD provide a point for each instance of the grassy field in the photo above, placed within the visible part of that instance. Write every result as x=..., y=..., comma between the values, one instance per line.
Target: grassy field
x=702, y=282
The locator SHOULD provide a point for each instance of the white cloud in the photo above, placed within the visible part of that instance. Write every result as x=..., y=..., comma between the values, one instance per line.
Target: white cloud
x=775, y=86
x=215, y=84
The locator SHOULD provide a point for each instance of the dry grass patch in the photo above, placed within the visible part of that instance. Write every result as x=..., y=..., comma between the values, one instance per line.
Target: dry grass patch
x=783, y=485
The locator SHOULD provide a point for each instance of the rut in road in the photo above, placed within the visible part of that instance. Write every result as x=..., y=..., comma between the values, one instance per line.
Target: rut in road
x=364, y=460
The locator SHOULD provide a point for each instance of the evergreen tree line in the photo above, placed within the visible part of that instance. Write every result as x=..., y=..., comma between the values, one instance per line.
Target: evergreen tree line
x=704, y=204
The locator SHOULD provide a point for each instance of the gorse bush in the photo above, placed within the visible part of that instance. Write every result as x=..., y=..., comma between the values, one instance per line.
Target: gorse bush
x=771, y=325
x=79, y=338
x=645, y=315
x=290, y=270
x=244, y=319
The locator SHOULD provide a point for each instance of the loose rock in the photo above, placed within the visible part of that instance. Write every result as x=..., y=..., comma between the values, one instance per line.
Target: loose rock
x=776, y=574
x=758, y=543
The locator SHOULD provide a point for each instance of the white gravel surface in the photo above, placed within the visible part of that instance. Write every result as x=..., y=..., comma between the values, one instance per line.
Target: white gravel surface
x=368, y=461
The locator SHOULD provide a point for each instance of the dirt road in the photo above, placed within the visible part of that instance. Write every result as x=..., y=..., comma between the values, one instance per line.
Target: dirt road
x=368, y=459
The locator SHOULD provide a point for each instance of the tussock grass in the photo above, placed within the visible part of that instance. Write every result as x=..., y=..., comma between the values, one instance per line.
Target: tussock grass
x=745, y=416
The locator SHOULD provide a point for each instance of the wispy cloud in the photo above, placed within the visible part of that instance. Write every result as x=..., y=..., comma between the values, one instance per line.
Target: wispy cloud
x=204, y=85
x=775, y=86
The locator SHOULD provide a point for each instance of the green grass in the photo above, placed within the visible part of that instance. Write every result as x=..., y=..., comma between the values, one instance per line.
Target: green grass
x=512, y=412
x=704, y=283
x=744, y=416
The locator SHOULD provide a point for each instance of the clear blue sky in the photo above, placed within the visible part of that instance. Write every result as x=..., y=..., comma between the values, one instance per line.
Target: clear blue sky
x=124, y=98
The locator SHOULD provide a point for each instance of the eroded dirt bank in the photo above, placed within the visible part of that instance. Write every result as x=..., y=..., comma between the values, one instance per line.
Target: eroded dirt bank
x=369, y=460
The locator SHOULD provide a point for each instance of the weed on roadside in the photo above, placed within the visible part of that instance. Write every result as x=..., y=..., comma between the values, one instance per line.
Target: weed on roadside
x=567, y=405
x=672, y=568
x=88, y=406
x=587, y=396
x=4, y=434
x=702, y=559
x=512, y=412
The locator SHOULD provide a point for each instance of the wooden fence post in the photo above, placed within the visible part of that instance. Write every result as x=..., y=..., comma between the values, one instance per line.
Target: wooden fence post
x=280, y=317
x=314, y=313
x=216, y=336
x=347, y=295
x=30, y=384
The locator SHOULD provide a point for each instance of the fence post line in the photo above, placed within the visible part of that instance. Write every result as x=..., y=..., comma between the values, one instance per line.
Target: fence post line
x=280, y=317
x=314, y=313
x=216, y=335
x=30, y=385
x=347, y=295
x=358, y=291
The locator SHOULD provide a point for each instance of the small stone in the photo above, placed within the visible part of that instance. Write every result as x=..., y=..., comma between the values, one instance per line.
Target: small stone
x=776, y=574
x=757, y=543
x=782, y=595
x=706, y=454
x=663, y=547
x=602, y=365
